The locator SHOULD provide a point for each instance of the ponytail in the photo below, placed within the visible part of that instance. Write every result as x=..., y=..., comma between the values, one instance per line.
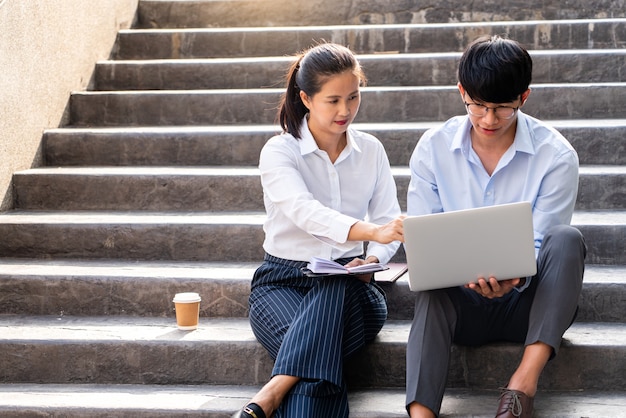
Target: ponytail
x=292, y=109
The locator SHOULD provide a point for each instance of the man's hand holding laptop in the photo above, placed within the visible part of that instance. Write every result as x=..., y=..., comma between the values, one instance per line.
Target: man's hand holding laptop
x=493, y=288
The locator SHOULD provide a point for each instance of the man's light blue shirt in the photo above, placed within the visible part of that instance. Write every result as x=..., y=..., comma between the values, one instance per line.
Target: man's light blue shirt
x=540, y=167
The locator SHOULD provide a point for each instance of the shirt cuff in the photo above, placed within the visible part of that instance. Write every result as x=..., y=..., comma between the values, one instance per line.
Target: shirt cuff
x=525, y=285
x=384, y=252
x=340, y=228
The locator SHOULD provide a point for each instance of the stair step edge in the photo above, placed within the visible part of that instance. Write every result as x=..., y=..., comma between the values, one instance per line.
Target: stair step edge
x=481, y=24
x=197, y=270
x=221, y=401
x=61, y=329
x=265, y=128
x=362, y=57
x=592, y=218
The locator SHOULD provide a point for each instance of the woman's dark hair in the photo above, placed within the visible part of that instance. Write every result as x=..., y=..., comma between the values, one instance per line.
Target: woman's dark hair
x=495, y=70
x=308, y=73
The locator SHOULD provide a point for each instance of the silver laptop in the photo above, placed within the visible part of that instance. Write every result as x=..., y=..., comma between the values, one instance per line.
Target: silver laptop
x=454, y=248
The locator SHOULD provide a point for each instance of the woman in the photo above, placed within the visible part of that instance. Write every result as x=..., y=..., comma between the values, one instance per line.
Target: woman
x=321, y=180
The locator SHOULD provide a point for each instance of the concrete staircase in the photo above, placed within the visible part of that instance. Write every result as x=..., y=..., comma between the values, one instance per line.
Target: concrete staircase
x=152, y=189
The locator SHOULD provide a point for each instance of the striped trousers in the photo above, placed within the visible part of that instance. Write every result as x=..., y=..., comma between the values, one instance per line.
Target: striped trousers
x=309, y=326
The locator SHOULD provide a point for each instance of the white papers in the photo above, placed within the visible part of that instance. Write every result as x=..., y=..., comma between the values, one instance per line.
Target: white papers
x=323, y=266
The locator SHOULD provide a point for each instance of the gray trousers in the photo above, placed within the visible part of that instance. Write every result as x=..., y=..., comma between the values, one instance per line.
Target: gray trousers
x=542, y=312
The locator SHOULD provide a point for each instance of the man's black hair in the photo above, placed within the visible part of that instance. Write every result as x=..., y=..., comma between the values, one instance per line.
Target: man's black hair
x=495, y=70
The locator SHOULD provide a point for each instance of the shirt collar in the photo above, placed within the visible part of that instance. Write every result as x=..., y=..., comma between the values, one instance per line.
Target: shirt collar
x=522, y=142
x=308, y=144
x=461, y=138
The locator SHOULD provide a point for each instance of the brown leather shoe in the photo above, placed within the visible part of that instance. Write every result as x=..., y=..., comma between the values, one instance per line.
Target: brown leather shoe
x=514, y=404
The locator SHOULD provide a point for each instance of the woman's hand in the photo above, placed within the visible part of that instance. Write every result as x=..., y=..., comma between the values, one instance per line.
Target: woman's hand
x=359, y=261
x=392, y=231
x=367, y=277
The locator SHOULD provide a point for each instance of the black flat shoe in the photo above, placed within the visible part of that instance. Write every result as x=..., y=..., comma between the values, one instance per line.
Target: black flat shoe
x=251, y=410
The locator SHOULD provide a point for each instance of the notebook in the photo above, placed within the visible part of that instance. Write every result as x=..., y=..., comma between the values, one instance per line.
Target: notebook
x=322, y=266
x=454, y=248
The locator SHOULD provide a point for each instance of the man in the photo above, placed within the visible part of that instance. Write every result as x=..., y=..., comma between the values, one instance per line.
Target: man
x=495, y=155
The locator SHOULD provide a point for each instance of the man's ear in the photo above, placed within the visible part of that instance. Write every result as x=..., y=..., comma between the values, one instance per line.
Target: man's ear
x=305, y=100
x=525, y=96
x=461, y=90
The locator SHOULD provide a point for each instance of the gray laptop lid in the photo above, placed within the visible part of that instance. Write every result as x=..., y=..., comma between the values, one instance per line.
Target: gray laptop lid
x=454, y=248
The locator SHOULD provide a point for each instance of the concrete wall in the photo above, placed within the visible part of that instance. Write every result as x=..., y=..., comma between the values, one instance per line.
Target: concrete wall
x=48, y=48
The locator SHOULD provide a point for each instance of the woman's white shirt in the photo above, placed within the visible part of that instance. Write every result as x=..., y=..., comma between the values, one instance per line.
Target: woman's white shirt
x=311, y=203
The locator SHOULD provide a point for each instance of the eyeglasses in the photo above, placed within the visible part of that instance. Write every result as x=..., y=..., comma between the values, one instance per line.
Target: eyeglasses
x=501, y=112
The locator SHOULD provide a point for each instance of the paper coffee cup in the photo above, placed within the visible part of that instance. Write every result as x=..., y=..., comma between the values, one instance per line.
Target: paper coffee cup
x=187, y=310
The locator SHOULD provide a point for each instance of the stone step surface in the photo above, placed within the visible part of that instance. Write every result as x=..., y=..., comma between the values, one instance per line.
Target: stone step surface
x=209, y=236
x=87, y=326
x=139, y=188
x=135, y=288
x=140, y=350
x=133, y=235
x=549, y=66
x=597, y=141
x=258, y=106
x=220, y=401
x=366, y=38
x=601, y=187
x=219, y=13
